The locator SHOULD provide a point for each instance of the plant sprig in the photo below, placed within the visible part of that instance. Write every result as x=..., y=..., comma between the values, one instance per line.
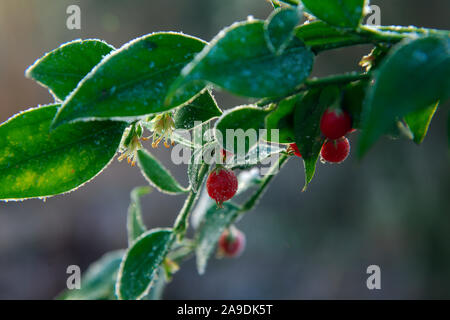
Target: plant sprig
x=106, y=99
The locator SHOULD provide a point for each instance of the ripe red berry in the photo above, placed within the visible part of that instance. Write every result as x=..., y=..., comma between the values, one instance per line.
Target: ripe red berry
x=335, y=124
x=294, y=149
x=335, y=151
x=221, y=185
x=231, y=243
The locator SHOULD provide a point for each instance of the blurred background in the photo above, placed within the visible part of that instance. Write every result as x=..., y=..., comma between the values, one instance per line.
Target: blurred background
x=392, y=209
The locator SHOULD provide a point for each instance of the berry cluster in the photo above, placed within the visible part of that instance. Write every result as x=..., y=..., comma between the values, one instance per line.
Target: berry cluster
x=334, y=125
x=222, y=185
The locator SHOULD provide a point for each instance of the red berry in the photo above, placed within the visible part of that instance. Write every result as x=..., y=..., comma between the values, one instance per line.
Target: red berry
x=335, y=124
x=231, y=243
x=293, y=148
x=221, y=185
x=335, y=151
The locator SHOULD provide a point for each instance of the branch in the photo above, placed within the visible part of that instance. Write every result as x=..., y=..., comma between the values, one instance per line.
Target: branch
x=253, y=200
x=319, y=82
x=182, y=221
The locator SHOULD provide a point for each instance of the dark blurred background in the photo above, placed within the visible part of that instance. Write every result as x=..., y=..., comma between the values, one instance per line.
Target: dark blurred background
x=392, y=209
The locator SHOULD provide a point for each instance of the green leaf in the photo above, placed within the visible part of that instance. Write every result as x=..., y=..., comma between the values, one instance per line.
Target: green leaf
x=239, y=60
x=279, y=28
x=141, y=263
x=135, y=225
x=98, y=282
x=158, y=286
x=215, y=221
x=414, y=76
x=245, y=123
x=37, y=162
x=202, y=109
x=399, y=130
x=320, y=36
x=342, y=13
x=308, y=138
x=62, y=69
x=353, y=99
x=256, y=155
x=419, y=121
x=282, y=119
x=157, y=175
x=133, y=80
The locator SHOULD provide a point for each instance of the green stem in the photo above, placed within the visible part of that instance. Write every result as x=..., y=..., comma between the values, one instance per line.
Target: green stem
x=378, y=34
x=182, y=221
x=335, y=79
x=291, y=2
x=397, y=33
x=320, y=82
x=253, y=200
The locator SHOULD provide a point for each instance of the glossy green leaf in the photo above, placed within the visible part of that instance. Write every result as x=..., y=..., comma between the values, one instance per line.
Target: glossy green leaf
x=353, y=100
x=62, y=69
x=202, y=109
x=158, y=285
x=157, y=175
x=98, y=282
x=419, y=121
x=282, y=119
x=413, y=77
x=239, y=60
x=215, y=221
x=37, y=162
x=308, y=138
x=321, y=36
x=135, y=225
x=399, y=130
x=133, y=80
x=256, y=155
x=279, y=28
x=341, y=13
x=141, y=263
x=243, y=125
